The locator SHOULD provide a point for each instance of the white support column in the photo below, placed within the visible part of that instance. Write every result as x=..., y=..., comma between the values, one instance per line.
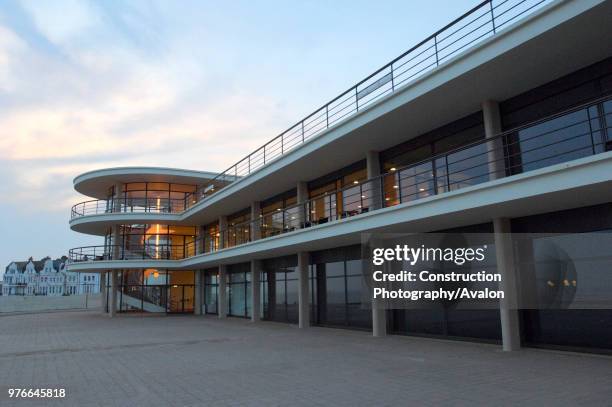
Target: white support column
x=222, y=232
x=374, y=195
x=117, y=244
x=373, y=164
x=103, y=290
x=113, y=294
x=221, y=299
x=255, y=215
x=379, y=313
x=508, y=306
x=255, y=290
x=116, y=204
x=509, y=317
x=200, y=247
x=495, y=148
x=302, y=197
x=304, y=290
x=379, y=319
x=197, y=292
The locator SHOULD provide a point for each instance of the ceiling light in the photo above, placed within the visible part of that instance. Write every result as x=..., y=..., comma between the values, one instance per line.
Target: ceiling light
x=393, y=168
x=355, y=182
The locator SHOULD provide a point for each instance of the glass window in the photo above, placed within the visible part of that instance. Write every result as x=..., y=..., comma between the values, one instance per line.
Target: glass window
x=211, y=287
x=554, y=141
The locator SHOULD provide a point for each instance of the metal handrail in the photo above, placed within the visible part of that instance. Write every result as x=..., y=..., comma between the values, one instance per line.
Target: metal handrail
x=127, y=205
x=494, y=157
x=482, y=21
x=375, y=85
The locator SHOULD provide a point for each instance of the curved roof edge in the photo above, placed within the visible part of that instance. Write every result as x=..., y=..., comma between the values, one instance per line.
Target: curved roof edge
x=96, y=183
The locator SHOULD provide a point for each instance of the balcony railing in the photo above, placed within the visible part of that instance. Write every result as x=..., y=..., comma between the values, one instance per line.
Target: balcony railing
x=579, y=132
x=128, y=205
x=134, y=252
x=483, y=21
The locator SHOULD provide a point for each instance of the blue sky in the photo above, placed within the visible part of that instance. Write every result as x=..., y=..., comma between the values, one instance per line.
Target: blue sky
x=188, y=84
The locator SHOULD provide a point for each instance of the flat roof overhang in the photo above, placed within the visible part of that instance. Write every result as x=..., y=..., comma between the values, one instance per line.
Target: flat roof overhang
x=578, y=183
x=97, y=183
x=99, y=224
x=552, y=42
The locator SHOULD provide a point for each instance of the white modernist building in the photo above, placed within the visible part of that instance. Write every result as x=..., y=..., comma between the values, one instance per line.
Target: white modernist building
x=47, y=277
x=499, y=124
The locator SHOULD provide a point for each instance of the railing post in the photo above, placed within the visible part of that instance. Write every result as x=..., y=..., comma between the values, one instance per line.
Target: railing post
x=327, y=115
x=492, y=16
x=399, y=186
x=436, y=50
x=356, y=99
x=392, y=79
x=303, y=137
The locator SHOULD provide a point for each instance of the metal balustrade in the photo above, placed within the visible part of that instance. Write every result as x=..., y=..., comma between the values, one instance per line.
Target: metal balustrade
x=575, y=133
x=478, y=24
x=128, y=205
x=481, y=22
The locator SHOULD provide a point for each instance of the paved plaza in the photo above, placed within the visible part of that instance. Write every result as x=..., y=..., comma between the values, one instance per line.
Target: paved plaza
x=147, y=360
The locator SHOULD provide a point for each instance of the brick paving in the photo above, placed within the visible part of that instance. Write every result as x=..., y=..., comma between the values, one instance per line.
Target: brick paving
x=147, y=360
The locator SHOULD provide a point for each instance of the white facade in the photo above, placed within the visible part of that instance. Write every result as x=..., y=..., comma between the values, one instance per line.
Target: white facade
x=47, y=277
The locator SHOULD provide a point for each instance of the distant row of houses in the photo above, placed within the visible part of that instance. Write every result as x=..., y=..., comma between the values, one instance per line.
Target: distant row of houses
x=46, y=277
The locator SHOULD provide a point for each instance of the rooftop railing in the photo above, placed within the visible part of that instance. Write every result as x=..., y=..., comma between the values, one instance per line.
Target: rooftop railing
x=481, y=22
x=575, y=133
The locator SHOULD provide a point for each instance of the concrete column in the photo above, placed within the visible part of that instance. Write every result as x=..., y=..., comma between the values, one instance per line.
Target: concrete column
x=302, y=196
x=116, y=204
x=379, y=314
x=304, y=290
x=103, y=290
x=255, y=290
x=508, y=306
x=373, y=164
x=200, y=247
x=373, y=189
x=379, y=319
x=113, y=294
x=197, y=292
x=255, y=216
x=495, y=148
x=221, y=298
x=117, y=244
x=222, y=231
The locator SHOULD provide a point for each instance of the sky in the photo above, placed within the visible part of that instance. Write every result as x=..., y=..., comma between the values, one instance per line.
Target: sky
x=185, y=84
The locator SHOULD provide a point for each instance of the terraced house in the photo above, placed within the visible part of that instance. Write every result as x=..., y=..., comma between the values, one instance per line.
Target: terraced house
x=499, y=122
x=46, y=277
